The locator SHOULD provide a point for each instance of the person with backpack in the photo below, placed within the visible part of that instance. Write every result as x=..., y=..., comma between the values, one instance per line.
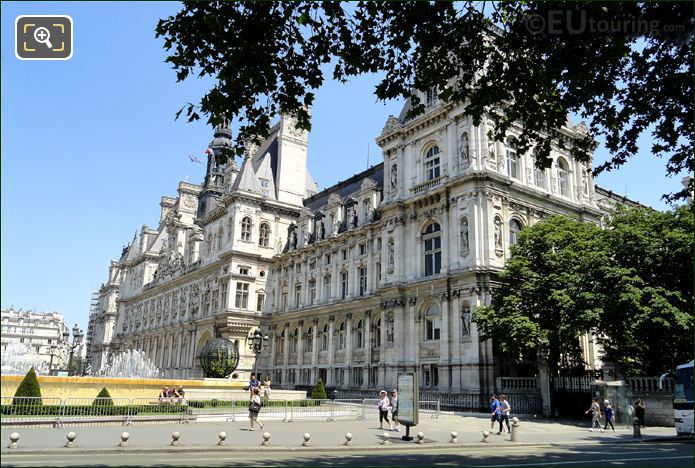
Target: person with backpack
x=505, y=409
x=608, y=412
x=595, y=411
x=255, y=407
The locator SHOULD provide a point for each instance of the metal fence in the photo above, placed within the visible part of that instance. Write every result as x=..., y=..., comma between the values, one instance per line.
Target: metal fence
x=108, y=411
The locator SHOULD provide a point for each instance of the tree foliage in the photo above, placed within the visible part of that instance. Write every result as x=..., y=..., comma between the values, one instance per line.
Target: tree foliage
x=625, y=67
x=631, y=284
x=319, y=391
x=103, y=398
x=28, y=388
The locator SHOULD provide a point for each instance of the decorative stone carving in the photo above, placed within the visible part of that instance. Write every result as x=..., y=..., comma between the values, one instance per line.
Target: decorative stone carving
x=394, y=177
x=465, y=249
x=465, y=320
x=498, y=237
x=464, y=150
x=390, y=256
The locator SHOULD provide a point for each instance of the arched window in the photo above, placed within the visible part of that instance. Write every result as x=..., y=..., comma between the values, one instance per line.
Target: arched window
x=432, y=163
x=324, y=338
x=359, y=335
x=538, y=174
x=514, y=228
x=341, y=336
x=295, y=341
x=512, y=160
x=433, y=322
x=264, y=235
x=246, y=229
x=562, y=185
x=433, y=249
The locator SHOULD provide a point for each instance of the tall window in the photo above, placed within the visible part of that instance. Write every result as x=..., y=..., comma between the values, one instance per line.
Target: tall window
x=295, y=341
x=363, y=281
x=512, y=160
x=433, y=249
x=259, y=302
x=359, y=335
x=283, y=303
x=432, y=163
x=433, y=323
x=562, y=186
x=538, y=175
x=246, y=229
x=265, y=187
x=309, y=340
x=327, y=288
x=378, y=271
x=431, y=97
x=297, y=295
x=324, y=338
x=312, y=292
x=264, y=235
x=343, y=285
x=281, y=345
x=376, y=340
x=242, y=295
x=514, y=228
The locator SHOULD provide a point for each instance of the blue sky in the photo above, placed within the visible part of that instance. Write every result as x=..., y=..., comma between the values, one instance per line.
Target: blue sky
x=89, y=146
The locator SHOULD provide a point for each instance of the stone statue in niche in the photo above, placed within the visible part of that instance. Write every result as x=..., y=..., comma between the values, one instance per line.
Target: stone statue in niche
x=464, y=150
x=305, y=235
x=394, y=177
x=464, y=237
x=390, y=256
x=498, y=234
x=293, y=240
x=465, y=320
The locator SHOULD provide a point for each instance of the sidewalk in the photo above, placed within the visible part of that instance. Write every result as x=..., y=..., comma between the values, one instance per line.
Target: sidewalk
x=324, y=435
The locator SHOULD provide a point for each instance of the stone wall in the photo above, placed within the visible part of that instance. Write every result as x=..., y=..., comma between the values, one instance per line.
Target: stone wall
x=658, y=402
x=89, y=387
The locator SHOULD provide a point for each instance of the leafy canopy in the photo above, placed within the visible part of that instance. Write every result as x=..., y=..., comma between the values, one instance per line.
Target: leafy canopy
x=631, y=284
x=625, y=67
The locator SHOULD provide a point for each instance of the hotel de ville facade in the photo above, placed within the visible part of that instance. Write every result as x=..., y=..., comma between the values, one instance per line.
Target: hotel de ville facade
x=374, y=276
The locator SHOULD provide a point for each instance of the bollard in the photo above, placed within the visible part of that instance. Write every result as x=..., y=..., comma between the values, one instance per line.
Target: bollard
x=636, y=429
x=486, y=434
x=515, y=430
x=14, y=440
x=307, y=438
x=266, y=438
x=175, y=438
x=348, y=439
x=386, y=440
x=420, y=438
x=454, y=437
x=124, y=439
x=71, y=440
x=223, y=438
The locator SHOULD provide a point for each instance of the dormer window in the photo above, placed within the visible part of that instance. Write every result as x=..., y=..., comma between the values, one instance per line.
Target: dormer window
x=431, y=97
x=432, y=167
x=265, y=187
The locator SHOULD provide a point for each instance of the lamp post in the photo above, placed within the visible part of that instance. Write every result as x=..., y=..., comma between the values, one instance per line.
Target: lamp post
x=257, y=341
x=77, y=336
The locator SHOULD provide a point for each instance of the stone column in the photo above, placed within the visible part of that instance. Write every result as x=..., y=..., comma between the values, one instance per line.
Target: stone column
x=286, y=355
x=314, y=350
x=335, y=280
x=456, y=342
x=371, y=278
x=348, y=344
x=331, y=351
x=400, y=330
x=300, y=352
x=444, y=340
x=382, y=348
x=367, y=348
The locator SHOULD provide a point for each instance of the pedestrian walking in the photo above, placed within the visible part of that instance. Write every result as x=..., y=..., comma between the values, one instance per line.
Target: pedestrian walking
x=639, y=412
x=394, y=411
x=384, y=410
x=608, y=412
x=495, y=408
x=595, y=411
x=255, y=408
x=505, y=409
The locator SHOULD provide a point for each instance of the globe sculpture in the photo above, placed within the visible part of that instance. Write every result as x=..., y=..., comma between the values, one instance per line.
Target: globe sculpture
x=219, y=358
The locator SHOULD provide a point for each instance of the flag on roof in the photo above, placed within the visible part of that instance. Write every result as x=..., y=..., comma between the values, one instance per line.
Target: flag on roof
x=195, y=159
x=209, y=152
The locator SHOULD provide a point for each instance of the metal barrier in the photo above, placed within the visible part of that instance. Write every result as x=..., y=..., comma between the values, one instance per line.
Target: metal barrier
x=32, y=410
x=94, y=410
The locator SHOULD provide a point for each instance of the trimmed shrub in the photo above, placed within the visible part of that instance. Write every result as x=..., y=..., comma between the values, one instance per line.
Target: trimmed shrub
x=103, y=398
x=319, y=392
x=29, y=389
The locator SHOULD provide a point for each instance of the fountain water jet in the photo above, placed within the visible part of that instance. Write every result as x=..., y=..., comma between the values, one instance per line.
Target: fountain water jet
x=18, y=358
x=131, y=364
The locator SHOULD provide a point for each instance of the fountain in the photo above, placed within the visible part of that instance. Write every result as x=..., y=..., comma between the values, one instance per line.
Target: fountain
x=18, y=358
x=132, y=363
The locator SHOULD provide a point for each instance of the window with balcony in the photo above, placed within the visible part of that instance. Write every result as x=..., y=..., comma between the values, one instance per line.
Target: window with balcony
x=432, y=163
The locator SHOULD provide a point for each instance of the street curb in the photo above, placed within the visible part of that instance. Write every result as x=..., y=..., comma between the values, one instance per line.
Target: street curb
x=397, y=447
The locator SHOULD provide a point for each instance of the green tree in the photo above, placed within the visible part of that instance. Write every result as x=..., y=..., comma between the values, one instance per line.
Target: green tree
x=648, y=317
x=526, y=63
x=29, y=389
x=319, y=391
x=548, y=295
x=103, y=398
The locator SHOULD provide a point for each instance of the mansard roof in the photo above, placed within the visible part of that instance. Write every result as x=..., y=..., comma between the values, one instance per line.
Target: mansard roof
x=347, y=188
x=247, y=180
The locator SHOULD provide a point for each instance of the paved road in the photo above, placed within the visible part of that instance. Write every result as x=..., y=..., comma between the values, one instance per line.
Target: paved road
x=649, y=454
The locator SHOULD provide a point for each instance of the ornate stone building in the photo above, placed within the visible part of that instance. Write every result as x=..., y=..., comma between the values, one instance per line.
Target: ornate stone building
x=202, y=271
x=382, y=271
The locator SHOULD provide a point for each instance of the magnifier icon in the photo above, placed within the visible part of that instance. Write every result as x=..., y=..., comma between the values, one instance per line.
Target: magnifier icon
x=43, y=35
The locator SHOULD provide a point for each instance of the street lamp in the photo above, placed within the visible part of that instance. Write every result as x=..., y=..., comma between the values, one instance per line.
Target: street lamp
x=257, y=341
x=77, y=336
